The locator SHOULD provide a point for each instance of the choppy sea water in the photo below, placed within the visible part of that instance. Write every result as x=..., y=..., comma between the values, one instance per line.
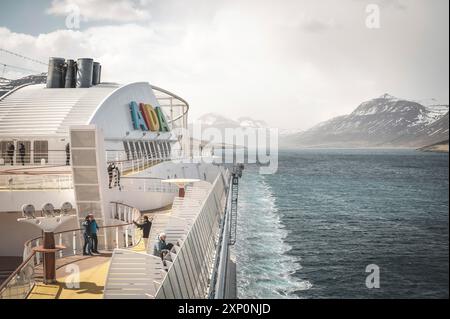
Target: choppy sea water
x=310, y=230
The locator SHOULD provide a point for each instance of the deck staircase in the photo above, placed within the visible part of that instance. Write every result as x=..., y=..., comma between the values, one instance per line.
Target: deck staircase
x=138, y=275
x=132, y=275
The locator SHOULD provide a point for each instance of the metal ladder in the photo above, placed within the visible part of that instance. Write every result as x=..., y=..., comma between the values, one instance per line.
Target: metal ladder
x=234, y=208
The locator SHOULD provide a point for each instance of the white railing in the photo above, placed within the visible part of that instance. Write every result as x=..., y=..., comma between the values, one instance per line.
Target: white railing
x=137, y=163
x=194, y=255
x=22, y=280
x=219, y=283
x=147, y=184
x=32, y=158
x=36, y=182
x=124, y=235
x=175, y=107
x=124, y=213
x=186, y=270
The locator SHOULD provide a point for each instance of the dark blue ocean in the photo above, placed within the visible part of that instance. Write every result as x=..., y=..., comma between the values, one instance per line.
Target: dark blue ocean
x=310, y=230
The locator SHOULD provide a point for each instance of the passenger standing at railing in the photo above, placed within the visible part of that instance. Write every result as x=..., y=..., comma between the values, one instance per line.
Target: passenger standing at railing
x=22, y=153
x=117, y=179
x=93, y=231
x=11, y=149
x=67, y=154
x=111, y=168
x=146, y=226
x=87, y=237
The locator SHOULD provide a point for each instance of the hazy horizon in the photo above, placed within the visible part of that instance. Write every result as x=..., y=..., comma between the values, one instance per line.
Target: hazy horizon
x=291, y=65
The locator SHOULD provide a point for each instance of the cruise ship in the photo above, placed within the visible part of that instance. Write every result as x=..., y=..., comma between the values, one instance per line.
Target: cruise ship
x=77, y=146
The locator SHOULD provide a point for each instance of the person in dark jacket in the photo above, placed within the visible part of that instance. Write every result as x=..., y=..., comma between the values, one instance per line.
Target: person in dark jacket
x=146, y=226
x=117, y=181
x=22, y=153
x=87, y=247
x=67, y=154
x=11, y=149
x=111, y=168
x=93, y=231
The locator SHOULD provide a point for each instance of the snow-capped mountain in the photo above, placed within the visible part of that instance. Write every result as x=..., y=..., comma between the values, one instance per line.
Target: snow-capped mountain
x=249, y=122
x=385, y=121
x=7, y=85
x=221, y=122
x=4, y=81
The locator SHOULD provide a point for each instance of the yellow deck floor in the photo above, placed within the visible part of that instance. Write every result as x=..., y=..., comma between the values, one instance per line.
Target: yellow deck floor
x=92, y=275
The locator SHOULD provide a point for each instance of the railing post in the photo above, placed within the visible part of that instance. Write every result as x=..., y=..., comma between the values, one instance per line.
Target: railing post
x=126, y=237
x=74, y=242
x=38, y=255
x=133, y=236
x=117, y=237
x=60, y=243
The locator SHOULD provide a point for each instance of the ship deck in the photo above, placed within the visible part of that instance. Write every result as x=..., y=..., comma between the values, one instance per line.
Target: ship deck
x=92, y=269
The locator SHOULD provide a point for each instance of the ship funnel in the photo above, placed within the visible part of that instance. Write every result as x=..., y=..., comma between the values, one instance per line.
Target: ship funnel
x=71, y=74
x=56, y=73
x=97, y=73
x=84, y=73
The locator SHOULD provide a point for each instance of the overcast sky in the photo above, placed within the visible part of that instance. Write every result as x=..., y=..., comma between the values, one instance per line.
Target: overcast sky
x=291, y=63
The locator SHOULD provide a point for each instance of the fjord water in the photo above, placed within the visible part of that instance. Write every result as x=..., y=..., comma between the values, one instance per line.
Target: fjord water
x=310, y=230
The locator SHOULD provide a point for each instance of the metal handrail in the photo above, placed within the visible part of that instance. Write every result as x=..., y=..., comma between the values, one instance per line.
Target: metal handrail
x=176, y=97
x=14, y=90
x=203, y=226
x=15, y=272
x=33, y=253
x=217, y=287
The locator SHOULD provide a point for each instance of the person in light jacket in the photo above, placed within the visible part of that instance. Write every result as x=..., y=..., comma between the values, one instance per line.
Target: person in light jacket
x=161, y=248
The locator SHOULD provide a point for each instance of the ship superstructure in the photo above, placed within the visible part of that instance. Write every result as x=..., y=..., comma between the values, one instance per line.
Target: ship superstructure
x=119, y=152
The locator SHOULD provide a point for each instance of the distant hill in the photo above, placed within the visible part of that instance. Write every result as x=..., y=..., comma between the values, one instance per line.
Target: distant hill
x=7, y=85
x=441, y=147
x=385, y=121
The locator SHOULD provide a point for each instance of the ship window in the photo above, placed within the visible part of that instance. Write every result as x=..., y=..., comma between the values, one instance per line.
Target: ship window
x=152, y=148
x=147, y=148
x=4, y=150
x=127, y=150
x=26, y=154
x=138, y=149
x=143, y=152
x=133, y=154
x=163, y=149
x=158, y=149
x=40, y=151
